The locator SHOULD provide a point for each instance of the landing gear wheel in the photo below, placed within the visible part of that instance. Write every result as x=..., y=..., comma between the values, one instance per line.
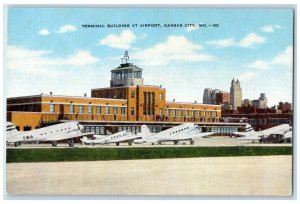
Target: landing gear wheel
x=54, y=143
x=71, y=142
x=175, y=142
x=15, y=144
x=152, y=143
x=130, y=143
x=117, y=143
x=192, y=142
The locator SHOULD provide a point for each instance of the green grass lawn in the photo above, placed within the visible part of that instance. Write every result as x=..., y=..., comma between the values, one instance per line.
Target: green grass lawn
x=93, y=154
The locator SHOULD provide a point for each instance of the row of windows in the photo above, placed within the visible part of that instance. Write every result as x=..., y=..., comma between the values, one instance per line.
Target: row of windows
x=31, y=136
x=101, y=130
x=126, y=75
x=271, y=121
x=179, y=112
x=224, y=129
x=177, y=131
x=90, y=109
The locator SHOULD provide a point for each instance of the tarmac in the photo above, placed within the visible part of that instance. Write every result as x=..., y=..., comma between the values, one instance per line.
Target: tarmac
x=230, y=176
x=211, y=141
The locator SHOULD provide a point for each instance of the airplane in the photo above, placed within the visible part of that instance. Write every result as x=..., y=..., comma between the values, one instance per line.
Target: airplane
x=64, y=131
x=250, y=134
x=184, y=132
x=117, y=138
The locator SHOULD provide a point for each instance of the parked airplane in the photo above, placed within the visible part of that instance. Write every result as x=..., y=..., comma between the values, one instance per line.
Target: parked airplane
x=250, y=134
x=117, y=138
x=184, y=132
x=64, y=131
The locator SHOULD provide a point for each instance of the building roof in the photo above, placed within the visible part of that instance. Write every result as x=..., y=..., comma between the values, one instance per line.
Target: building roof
x=126, y=66
x=63, y=96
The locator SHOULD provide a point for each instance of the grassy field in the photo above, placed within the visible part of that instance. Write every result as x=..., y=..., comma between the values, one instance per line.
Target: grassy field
x=93, y=154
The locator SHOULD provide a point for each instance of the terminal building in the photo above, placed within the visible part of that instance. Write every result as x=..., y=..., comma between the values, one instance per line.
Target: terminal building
x=125, y=105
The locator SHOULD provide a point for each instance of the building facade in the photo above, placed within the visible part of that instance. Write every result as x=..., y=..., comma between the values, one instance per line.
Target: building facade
x=127, y=101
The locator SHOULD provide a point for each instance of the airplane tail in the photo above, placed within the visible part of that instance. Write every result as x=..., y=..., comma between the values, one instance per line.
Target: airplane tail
x=83, y=139
x=145, y=132
x=249, y=129
x=11, y=130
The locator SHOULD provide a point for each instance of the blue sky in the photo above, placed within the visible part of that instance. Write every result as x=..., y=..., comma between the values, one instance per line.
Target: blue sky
x=49, y=50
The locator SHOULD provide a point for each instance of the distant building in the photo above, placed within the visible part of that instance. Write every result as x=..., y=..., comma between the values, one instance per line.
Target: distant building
x=261, y=103
x=215, y=96
x=207, y=96
x=222, y=97
x=285, y=107
x=246, y=103
x=235, y=94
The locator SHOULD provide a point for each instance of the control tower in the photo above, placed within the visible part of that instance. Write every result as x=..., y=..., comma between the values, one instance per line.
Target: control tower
x=127, y=74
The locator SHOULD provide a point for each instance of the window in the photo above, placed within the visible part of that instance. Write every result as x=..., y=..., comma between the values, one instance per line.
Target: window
x=161, y=96
x=161, y=112
x=167, y=112
x=71, y=108
x=106, y=110
x=123, y=110
x=97, y=130
x=180, y=113
x=98, y=109
x=132, y=110
x=187, y=113
x=80, y=109
x=90, y=109
x=193, y=113
x=174, y=113
x=115, y=110
x=132, y=94
x=52, y=108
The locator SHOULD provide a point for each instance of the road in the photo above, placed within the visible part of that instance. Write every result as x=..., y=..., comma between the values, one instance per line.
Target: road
x=259, y=175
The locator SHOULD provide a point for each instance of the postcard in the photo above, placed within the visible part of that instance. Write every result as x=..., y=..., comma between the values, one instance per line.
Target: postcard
x=149, y=101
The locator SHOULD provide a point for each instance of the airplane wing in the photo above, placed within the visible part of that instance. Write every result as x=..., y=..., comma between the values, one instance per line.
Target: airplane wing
x=125, y=139
x=252, y=137
x=241, y=134
x=68, y=135
x=191, y=136
x=97, y=137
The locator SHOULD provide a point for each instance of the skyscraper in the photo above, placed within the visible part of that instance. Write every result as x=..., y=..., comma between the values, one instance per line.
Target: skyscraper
x=235, y=94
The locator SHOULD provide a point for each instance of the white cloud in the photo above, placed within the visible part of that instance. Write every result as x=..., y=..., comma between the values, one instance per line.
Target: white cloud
x=270, y=28
x=80, y=58
x=284, y=59
x=249, y=41
x=189, y=29
x=122, y=41
x=259, y=64
x=248, y=75
x=67, y=28
x=223, y=43
x=176, y=48
x=38, y=62
x=277, y=26
x=44, y=32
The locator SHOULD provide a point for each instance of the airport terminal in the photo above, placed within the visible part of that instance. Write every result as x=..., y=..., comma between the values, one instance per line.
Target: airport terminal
x=125, y=105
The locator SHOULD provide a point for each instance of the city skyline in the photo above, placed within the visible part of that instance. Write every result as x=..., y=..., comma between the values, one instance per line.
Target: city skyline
x=61, y=55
